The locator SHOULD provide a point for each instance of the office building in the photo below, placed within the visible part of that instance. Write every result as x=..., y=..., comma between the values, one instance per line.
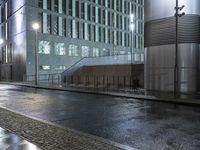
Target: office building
x=69, y=30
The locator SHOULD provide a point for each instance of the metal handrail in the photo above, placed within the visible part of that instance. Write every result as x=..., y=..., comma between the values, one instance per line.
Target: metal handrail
x=73, y=65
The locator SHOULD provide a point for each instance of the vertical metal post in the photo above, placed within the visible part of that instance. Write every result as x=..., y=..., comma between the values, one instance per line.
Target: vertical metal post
x=113, y=38
x=132, y=59
x=36, y=59
x=176, y=67
x=176, y=54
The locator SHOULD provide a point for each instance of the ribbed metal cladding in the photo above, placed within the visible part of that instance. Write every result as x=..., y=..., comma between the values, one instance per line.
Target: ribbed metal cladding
x=162, y=31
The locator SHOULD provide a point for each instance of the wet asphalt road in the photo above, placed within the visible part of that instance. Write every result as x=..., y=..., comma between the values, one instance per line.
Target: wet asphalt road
x=140, y=124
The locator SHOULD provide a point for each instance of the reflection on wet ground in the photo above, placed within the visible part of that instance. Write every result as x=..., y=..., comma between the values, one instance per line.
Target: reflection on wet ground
x=139, y=124
x=9, y=141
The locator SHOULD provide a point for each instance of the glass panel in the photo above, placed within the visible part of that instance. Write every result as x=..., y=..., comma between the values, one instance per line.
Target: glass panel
x=44, y=47
x=85, y=51
x=95, y=52
x=73, y=50
x=60, y=49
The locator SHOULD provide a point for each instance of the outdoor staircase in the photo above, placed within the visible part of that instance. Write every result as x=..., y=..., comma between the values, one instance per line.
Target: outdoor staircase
x=100, y=61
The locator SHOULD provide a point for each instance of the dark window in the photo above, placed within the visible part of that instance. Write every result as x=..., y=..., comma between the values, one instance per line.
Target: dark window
x=40, y=19
x=49, y=24
x=82, y=10
x=55, y=25
x=64, y=6
x=77, y=9
x=99, y=15
x=40, y=3
x=70, y=7
x=89, y=11
x=93, y=14
x=56, y=5
x=49, y=4
x=64, y=27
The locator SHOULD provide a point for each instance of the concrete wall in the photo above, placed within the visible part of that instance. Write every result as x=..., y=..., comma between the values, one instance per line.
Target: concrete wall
x=116, y=75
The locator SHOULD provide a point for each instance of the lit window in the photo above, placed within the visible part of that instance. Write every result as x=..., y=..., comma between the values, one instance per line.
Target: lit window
x=59, y=49
x=58, y=68
x=137, y=57
x=73, y=50
x=85, y=51
x=95, y=52
x=122, y=52
x=44, y=47
x=105, y=52
x=45, y=67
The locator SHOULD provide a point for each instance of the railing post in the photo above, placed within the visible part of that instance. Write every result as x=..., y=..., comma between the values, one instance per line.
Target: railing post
x=124, y=81
x=94, y=80
x=97, y=81
x=130, y=82
x=58, y=79
x=52, y=79
x=113, y=81
x=103, y=80
x=118, y=81
x=107, y=83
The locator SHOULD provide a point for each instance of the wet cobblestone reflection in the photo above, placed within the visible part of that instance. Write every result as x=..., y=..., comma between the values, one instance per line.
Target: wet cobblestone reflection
x=9, y=141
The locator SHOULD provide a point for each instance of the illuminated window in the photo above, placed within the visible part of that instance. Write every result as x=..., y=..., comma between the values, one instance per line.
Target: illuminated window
x=44, y=47
x=105, y=52
x=59, y=68
x=85, y=51
x=59, y=48
x=73, y=50
x=95, y=52
x=45, y=67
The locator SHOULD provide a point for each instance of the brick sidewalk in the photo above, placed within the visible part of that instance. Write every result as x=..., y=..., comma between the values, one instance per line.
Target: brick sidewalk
x=47, y=136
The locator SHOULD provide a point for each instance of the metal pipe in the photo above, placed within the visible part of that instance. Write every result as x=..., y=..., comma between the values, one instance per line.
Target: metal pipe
x=36, y=59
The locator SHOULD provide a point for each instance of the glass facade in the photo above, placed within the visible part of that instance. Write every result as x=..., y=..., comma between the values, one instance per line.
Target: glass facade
x=102, y=21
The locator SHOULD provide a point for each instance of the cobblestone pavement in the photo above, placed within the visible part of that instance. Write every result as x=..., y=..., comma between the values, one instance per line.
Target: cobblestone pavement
x=46, y=136
x=9, y=141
